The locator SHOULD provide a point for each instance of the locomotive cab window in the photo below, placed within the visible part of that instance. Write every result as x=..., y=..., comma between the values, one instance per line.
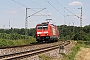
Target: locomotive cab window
x=45, y=26
x=39, y=27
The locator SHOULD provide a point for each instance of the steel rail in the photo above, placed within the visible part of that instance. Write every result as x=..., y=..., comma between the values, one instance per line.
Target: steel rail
x=22, y=55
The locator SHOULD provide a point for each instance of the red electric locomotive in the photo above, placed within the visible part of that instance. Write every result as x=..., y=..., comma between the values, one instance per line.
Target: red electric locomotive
x=46, y=32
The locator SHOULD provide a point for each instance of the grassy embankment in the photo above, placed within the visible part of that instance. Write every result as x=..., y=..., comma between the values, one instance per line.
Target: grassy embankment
x=70, y=56
x=75, y=50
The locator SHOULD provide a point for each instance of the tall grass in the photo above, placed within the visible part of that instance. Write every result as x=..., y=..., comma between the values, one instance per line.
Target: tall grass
x=7, y=42
x=75, y=49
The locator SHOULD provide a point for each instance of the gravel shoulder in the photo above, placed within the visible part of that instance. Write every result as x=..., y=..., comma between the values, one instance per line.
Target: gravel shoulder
x=54, y=54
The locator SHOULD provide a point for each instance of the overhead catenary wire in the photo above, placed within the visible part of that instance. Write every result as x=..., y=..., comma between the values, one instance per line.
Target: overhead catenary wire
x=30, y=8
x=36, y=3
x=37, y=12
x=40, y=6
x=67, y=9
x=49, y=4
x=22, y=5
x=72, y=13
x=63, y=8
x=60, y=4
x=53, y=7
x=19, y=3
x=26, y=21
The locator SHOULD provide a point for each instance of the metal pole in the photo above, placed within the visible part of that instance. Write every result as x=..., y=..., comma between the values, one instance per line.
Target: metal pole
x=26, y=20
x=81, y=17
x=26, y=24
x=81, y=23
x=9, y=24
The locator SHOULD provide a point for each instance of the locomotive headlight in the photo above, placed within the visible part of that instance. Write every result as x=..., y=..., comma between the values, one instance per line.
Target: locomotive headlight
x=37, y=35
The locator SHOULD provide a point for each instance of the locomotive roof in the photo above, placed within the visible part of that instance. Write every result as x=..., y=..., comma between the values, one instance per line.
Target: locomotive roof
x=43, y=23
x=46, y=23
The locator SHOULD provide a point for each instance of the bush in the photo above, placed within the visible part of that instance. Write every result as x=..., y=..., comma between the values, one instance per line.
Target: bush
x=15, y=40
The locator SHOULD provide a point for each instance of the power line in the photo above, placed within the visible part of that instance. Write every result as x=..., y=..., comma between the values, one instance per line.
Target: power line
x=67, y=9
x=37, y=12
x=19, y=3
x=40, y=6
x=63, y=8
x=22, y=5
x=60, y=4
x=54, y=7
x=36, y=3
x=26, y=6
x=72, y=13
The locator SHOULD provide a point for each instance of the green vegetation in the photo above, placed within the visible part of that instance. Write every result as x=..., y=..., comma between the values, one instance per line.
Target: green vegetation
x=15, y=37
x=31, y=32
x=65, y=32
x=10, y=36
x=6, y=42
x=75, y=49
x=44, y=57
x=73, y=32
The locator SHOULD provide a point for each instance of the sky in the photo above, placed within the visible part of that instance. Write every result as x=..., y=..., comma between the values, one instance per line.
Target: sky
x=13, y=12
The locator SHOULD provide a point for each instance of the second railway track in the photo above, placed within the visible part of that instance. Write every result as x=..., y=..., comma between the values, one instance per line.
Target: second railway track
x=21, y=55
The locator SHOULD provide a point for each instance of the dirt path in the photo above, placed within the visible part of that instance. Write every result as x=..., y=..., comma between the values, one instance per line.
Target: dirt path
x=84, y=54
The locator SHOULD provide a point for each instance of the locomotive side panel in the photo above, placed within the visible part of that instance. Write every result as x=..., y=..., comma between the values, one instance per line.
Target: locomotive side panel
x=54, y=35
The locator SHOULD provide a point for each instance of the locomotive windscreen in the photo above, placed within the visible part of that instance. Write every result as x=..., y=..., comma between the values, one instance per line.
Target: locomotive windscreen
x=43, y=26
x=39, y=27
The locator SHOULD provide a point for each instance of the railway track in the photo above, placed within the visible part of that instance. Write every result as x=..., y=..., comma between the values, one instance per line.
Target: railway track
x=25, y=54
x=17, y=49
